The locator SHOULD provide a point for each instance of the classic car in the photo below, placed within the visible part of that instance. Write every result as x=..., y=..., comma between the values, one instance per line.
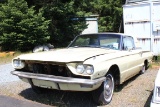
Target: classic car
x=92, y=62
x=155, y=102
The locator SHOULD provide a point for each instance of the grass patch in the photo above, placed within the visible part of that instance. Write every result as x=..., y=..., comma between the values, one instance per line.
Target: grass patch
x=155, y=62
x=6, y=57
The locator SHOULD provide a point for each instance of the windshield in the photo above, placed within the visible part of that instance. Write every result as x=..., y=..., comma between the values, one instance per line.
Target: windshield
x=111, y=41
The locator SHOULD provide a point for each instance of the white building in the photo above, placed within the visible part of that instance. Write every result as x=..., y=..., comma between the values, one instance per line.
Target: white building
x=141, y=18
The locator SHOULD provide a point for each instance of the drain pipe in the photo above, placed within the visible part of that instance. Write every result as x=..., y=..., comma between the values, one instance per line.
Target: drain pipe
x=151, y=25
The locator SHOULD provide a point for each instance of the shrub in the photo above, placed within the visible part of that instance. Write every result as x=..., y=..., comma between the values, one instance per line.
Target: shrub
x=21, y=28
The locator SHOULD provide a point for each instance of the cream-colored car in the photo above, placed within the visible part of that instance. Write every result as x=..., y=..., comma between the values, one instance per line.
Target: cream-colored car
x=92, y=62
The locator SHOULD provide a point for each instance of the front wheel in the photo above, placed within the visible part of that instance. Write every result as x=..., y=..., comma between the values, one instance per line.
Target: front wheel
x=103, y=95
x=144, y=67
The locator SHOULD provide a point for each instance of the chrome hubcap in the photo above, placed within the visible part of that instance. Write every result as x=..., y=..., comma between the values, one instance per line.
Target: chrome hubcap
x=143, y=69
x=108, y=88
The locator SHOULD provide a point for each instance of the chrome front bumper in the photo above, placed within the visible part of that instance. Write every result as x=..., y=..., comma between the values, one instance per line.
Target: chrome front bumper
x=62, y=82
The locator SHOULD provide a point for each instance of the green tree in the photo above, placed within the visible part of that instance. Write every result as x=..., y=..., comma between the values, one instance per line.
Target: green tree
x=110, y=14
x=61, y=13
x=109, y=11
x=28, y=27
x=21, y=28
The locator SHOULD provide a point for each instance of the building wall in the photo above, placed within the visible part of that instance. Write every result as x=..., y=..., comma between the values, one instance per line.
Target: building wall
x=138, y=18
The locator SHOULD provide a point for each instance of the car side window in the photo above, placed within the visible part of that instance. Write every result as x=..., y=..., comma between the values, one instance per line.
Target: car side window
x=128, y=43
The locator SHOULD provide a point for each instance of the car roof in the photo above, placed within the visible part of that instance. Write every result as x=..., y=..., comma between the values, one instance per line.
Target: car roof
x=122, y=34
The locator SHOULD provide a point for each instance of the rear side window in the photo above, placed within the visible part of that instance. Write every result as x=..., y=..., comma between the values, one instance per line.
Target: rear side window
x=128, y=43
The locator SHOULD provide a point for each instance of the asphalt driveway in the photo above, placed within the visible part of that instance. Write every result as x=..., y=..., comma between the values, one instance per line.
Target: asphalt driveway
x=12, y=102
x=6, y=101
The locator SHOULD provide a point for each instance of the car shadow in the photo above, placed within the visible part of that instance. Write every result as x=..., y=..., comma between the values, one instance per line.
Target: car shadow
x=60, y=98
x=147, y=104
x=71, y=98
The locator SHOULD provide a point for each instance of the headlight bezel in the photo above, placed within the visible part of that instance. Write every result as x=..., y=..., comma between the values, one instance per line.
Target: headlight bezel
x=85, y=69
x=18, y=64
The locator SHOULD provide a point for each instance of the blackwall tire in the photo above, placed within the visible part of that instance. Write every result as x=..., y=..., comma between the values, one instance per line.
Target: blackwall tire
x=103, y=95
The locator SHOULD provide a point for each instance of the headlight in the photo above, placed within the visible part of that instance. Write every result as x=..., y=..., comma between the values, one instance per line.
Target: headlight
x=18, y=64
x=89, y=70
x=85, y=69
x=156, y=95
x=80, y=69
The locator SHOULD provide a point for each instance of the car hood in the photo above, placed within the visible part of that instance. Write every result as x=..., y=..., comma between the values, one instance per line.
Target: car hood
x=66, y=55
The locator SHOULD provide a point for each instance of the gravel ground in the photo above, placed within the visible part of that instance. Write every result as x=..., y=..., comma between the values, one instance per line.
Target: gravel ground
x=135, y=92
x=5, y=75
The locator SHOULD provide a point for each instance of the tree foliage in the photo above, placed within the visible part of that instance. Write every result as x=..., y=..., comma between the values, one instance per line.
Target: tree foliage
x=60, y=11
x=21, y=28
x=23, y=25
x=109, y=11
x=110, y=14
x=63, y=28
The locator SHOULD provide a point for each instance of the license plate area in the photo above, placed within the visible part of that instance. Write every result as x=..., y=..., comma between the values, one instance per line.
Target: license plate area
x=45, y=84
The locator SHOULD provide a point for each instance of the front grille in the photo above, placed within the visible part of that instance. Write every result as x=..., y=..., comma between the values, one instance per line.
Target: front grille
x=51, y=69
x=57, y=70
